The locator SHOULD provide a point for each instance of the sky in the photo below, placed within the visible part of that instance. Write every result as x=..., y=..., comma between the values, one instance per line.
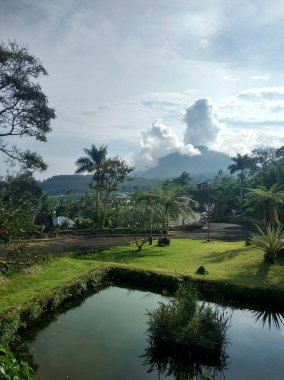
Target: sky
x=148, y=78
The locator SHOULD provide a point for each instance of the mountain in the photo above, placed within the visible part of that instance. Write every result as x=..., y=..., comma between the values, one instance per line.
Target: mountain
x=79, y=184
x=64, y=184
x=172, y=165
x=200, y=168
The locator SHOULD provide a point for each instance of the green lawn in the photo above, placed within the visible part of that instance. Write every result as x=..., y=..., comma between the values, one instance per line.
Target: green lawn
x=226, y=261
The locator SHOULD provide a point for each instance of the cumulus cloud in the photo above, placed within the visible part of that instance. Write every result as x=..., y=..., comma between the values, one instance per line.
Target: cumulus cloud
x=232, y=141
x=156, y=142
x=202, y=124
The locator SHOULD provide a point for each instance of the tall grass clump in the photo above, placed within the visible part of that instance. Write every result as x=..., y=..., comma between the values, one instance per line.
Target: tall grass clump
x=187, y=331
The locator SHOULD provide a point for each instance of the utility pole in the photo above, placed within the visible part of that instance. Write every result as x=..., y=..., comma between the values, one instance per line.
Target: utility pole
x=206, y=186
x=208, y=212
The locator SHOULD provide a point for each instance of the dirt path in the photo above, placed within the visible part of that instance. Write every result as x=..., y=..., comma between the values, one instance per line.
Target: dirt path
x=217, y=231
x=61, y=246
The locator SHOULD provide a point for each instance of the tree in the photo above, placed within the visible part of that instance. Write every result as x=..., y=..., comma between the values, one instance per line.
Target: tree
x=114, y=172
x=224, y=190
x=24, y=110
x=142, y=217
x=173, y=201
x=19, y=196
x=241, y=164
x=21, y=187
x=267, y=199
x=183, y=179
x=263, y=157
x=108, y=174
x=93, y=163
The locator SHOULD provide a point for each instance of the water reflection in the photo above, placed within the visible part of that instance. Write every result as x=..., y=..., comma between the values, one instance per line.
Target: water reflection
x=183, y=364
x=271, y=319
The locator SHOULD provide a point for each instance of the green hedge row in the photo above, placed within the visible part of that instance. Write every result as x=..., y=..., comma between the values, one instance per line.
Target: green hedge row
x=19, y=318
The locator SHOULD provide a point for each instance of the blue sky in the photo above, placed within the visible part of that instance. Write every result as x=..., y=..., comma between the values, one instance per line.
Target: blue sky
x=148, y=78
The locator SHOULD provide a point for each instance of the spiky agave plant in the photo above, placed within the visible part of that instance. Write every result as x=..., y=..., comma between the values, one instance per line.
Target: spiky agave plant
x=269, y=240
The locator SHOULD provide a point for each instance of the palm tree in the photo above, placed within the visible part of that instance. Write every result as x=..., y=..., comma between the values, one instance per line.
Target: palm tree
x=173, y=201
x=92, y=163
x=241, y=164
x=270, y=198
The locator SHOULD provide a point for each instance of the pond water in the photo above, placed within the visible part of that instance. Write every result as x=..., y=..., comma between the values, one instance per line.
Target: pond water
x=104, y=339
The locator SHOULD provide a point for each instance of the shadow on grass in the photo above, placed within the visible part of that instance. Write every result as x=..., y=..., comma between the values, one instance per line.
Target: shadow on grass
x=263, y=270
x=126, y=256
x=217, y=257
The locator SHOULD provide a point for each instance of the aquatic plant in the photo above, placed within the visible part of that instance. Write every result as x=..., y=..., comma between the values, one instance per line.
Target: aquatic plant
x=185, y=334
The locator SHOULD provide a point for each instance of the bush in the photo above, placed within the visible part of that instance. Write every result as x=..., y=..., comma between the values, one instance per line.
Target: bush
x=13, y=369
x=163, y=241
x=269, y=240
x=185, y=325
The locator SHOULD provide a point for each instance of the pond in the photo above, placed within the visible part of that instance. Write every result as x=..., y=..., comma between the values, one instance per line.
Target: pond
x=104, y=339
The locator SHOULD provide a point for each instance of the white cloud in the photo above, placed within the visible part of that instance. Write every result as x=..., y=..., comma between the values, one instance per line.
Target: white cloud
x=156, y=142
x=268, y=93
x=260, y=77
x=202, y=123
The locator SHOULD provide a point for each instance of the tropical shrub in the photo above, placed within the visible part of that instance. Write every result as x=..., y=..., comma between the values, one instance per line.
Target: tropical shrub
x=269, y=240
x=13, y=369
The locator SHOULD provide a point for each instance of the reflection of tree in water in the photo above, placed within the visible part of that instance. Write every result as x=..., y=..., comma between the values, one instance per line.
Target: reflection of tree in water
x=270, y=318
x=184, y=364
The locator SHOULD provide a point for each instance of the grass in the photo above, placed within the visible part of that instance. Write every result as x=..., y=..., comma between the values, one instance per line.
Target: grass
x=225, y=261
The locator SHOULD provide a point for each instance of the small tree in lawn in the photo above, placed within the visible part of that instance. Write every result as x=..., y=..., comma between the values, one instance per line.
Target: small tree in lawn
x=142, y=218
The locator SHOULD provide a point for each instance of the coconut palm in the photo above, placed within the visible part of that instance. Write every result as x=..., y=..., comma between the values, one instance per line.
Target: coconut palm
x=92, y=163
x=267, y=199
x=241, y=164
x=270, y=240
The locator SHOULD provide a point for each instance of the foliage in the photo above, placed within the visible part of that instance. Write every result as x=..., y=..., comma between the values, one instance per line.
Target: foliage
x=16, y=220
x=19, y=195
x=92, y=163
x=163, y=241
x=24, y=110
x=267, y=200
x=21, y=187
x=141, y=217
x=108, y=174
x=13, y=369
x=83, y=223
x=173, y=201
x=243, y=164
x=114, y=172
x=181, y=181
x=224, y=191
x=184, y=327
x=268, y=240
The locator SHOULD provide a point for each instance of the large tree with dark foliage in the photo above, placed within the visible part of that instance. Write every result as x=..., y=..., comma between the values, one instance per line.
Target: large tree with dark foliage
x=24, y=110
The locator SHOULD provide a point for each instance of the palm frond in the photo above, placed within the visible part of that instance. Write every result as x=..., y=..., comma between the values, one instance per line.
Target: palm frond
x=268, y=240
